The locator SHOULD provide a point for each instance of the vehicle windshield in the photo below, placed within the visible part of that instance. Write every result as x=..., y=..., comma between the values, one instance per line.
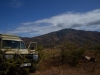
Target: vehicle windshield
x=13, y=44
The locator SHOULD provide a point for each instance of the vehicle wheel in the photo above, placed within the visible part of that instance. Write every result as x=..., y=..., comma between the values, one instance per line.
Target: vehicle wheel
x=33, y=68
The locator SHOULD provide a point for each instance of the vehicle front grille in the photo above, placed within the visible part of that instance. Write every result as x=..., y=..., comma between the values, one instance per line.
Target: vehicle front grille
x=27, y=56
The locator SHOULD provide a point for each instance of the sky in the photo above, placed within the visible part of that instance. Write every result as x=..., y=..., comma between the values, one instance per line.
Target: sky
x=30, y=18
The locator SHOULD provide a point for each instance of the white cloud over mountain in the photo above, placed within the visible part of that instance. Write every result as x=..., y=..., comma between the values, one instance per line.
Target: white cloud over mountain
x=76, y=20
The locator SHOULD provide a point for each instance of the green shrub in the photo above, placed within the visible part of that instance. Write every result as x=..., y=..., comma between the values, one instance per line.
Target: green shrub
x=71, y=54
x=75, y=57
x=12, y=65
x=40, y=53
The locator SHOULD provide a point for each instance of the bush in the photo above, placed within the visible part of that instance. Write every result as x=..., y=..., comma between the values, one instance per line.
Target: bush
x=12, y=65
x=71, y=54
x=75, y=57
x=40, y=52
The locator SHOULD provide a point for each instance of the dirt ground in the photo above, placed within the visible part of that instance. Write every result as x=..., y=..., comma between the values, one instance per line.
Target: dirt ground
x=87, y=68
x=52, y=66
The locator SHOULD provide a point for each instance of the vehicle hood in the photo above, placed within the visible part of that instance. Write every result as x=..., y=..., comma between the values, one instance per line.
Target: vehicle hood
x=15, y=51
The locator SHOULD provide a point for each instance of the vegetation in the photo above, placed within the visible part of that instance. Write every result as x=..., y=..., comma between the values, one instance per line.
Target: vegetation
x=68, y=54
x=13, y=65
x=71, y=54
x=70, y=57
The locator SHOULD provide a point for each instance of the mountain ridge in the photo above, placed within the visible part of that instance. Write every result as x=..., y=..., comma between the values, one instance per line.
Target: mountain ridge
x=65, y=35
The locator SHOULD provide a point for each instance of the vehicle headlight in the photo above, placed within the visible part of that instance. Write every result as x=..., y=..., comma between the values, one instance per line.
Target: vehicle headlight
x=8, y=56
x=35, y=57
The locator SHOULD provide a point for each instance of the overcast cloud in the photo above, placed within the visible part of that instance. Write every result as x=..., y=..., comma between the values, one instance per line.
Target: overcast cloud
x=81, y=21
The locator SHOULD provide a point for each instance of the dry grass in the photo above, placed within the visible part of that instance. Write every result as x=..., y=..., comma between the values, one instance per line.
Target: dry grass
x=52, y=66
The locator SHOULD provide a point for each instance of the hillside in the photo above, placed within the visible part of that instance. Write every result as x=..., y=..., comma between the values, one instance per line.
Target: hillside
x=65, y=35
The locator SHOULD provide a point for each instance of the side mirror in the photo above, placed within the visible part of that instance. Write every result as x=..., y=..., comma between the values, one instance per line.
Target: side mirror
x=32, y=46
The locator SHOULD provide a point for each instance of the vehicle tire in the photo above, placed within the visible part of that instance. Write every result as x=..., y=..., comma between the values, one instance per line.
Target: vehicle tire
x=33, y=67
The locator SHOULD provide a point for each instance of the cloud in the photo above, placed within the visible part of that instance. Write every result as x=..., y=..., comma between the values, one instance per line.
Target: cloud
x=94, y=23
x=15, y=3
x=82, y=21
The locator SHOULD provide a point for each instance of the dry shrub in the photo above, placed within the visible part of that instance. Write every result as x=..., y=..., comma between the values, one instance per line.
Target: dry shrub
x=71, y=54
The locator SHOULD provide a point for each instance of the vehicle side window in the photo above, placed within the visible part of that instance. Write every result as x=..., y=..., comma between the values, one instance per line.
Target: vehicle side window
x=22, y=46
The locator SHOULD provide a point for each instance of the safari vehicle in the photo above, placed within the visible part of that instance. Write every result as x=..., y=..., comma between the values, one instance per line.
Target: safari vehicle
x=12, y=46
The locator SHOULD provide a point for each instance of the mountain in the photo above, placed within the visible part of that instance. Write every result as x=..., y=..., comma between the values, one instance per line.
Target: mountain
x=65, y=35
